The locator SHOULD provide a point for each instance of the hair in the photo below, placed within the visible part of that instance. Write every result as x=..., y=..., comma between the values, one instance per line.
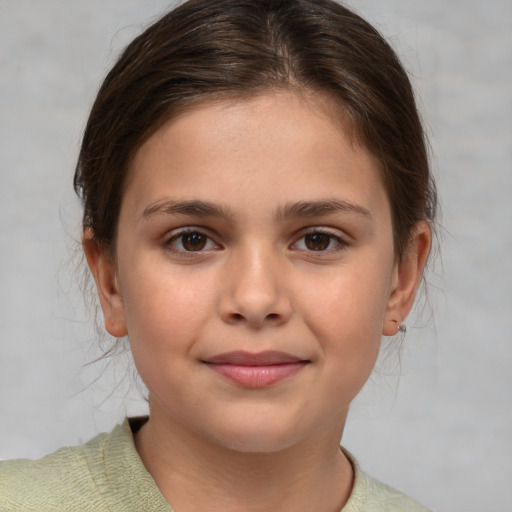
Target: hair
x=209, y=49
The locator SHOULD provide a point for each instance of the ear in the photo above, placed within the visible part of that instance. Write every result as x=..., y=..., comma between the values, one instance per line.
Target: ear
x=103, y=269
x=406, y=279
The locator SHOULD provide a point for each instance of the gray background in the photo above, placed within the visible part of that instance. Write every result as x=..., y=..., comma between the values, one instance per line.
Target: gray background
x=442, y=430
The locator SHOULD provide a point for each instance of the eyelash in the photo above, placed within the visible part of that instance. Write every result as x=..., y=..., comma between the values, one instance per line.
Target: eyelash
x=180, y=235
x=340, y=243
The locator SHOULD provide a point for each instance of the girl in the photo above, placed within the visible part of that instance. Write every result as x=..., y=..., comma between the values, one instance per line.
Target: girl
x=257, y=214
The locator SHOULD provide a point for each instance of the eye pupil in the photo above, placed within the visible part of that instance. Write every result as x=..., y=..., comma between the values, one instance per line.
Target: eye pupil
x=193, y=241
x=317, y=241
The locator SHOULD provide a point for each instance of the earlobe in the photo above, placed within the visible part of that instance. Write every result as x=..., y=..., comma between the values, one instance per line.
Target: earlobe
x=406, y=279
x=103, y=269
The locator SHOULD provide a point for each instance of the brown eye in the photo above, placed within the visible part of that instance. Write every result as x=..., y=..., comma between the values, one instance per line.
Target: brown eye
x=194, y=241
x=317, y=241
x=189, y=242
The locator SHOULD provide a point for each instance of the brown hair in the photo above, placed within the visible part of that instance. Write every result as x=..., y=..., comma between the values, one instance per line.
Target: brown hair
x=209, y=48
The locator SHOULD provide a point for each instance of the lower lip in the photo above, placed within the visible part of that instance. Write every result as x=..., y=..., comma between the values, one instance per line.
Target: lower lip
x=258, y=376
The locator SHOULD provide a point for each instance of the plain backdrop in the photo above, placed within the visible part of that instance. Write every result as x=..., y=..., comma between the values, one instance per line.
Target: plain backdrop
x=441, y=431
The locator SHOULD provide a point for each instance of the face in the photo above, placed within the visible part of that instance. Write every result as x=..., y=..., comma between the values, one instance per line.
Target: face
x=254, y=272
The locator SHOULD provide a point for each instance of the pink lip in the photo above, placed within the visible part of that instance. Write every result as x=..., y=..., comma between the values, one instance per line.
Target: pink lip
x=256, y=370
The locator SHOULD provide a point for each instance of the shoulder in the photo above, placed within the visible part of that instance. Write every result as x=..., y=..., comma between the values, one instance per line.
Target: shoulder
x=103, y=474
x=371, y=495
x=55, y=482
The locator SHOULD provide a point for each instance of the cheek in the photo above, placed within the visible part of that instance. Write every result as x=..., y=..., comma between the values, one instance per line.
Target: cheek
x=164, y=311
x=160, y=331
x=348, y=301
x=346, y=315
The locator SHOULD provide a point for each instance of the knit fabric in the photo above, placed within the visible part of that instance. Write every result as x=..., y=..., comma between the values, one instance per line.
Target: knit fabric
x=107, y=474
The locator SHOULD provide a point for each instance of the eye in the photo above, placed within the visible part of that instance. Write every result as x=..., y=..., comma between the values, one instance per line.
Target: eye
x=191, y=241
x=319, y=241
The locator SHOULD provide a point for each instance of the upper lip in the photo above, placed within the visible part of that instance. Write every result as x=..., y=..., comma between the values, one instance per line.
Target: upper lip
x=242, y=358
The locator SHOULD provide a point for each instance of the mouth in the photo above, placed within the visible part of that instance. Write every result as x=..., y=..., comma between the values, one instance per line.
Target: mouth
x=256, y=370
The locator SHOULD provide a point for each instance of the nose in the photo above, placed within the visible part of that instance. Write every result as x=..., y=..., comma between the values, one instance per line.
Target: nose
x=254, y=291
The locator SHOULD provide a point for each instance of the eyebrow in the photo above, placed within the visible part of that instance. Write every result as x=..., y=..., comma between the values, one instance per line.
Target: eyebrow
x=200, y=208
x=318, y=208
x=194, y=207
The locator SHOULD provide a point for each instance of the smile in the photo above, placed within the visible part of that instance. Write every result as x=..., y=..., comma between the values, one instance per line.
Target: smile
x=256, y=370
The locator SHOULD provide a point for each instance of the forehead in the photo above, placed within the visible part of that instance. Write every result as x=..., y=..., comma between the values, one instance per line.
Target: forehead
x=279, y=143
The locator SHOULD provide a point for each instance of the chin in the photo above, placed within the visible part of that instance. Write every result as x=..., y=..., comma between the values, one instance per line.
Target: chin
x=263, y=438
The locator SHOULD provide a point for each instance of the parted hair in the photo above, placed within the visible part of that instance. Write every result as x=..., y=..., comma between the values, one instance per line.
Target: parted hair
x=208, y=49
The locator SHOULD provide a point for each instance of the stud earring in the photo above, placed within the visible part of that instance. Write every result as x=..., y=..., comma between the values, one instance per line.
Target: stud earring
x=400, y=328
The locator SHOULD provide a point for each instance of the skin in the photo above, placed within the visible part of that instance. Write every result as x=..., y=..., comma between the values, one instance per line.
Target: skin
x=293, y=253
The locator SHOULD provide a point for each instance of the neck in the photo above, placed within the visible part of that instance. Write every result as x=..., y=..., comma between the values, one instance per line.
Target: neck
x=194, y=473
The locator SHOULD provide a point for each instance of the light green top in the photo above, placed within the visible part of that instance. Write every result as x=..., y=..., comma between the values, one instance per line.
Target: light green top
x=107, y=474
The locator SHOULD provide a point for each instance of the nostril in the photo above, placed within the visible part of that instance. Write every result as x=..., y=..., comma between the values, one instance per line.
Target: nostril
x=272, y=316
x=237, y=316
